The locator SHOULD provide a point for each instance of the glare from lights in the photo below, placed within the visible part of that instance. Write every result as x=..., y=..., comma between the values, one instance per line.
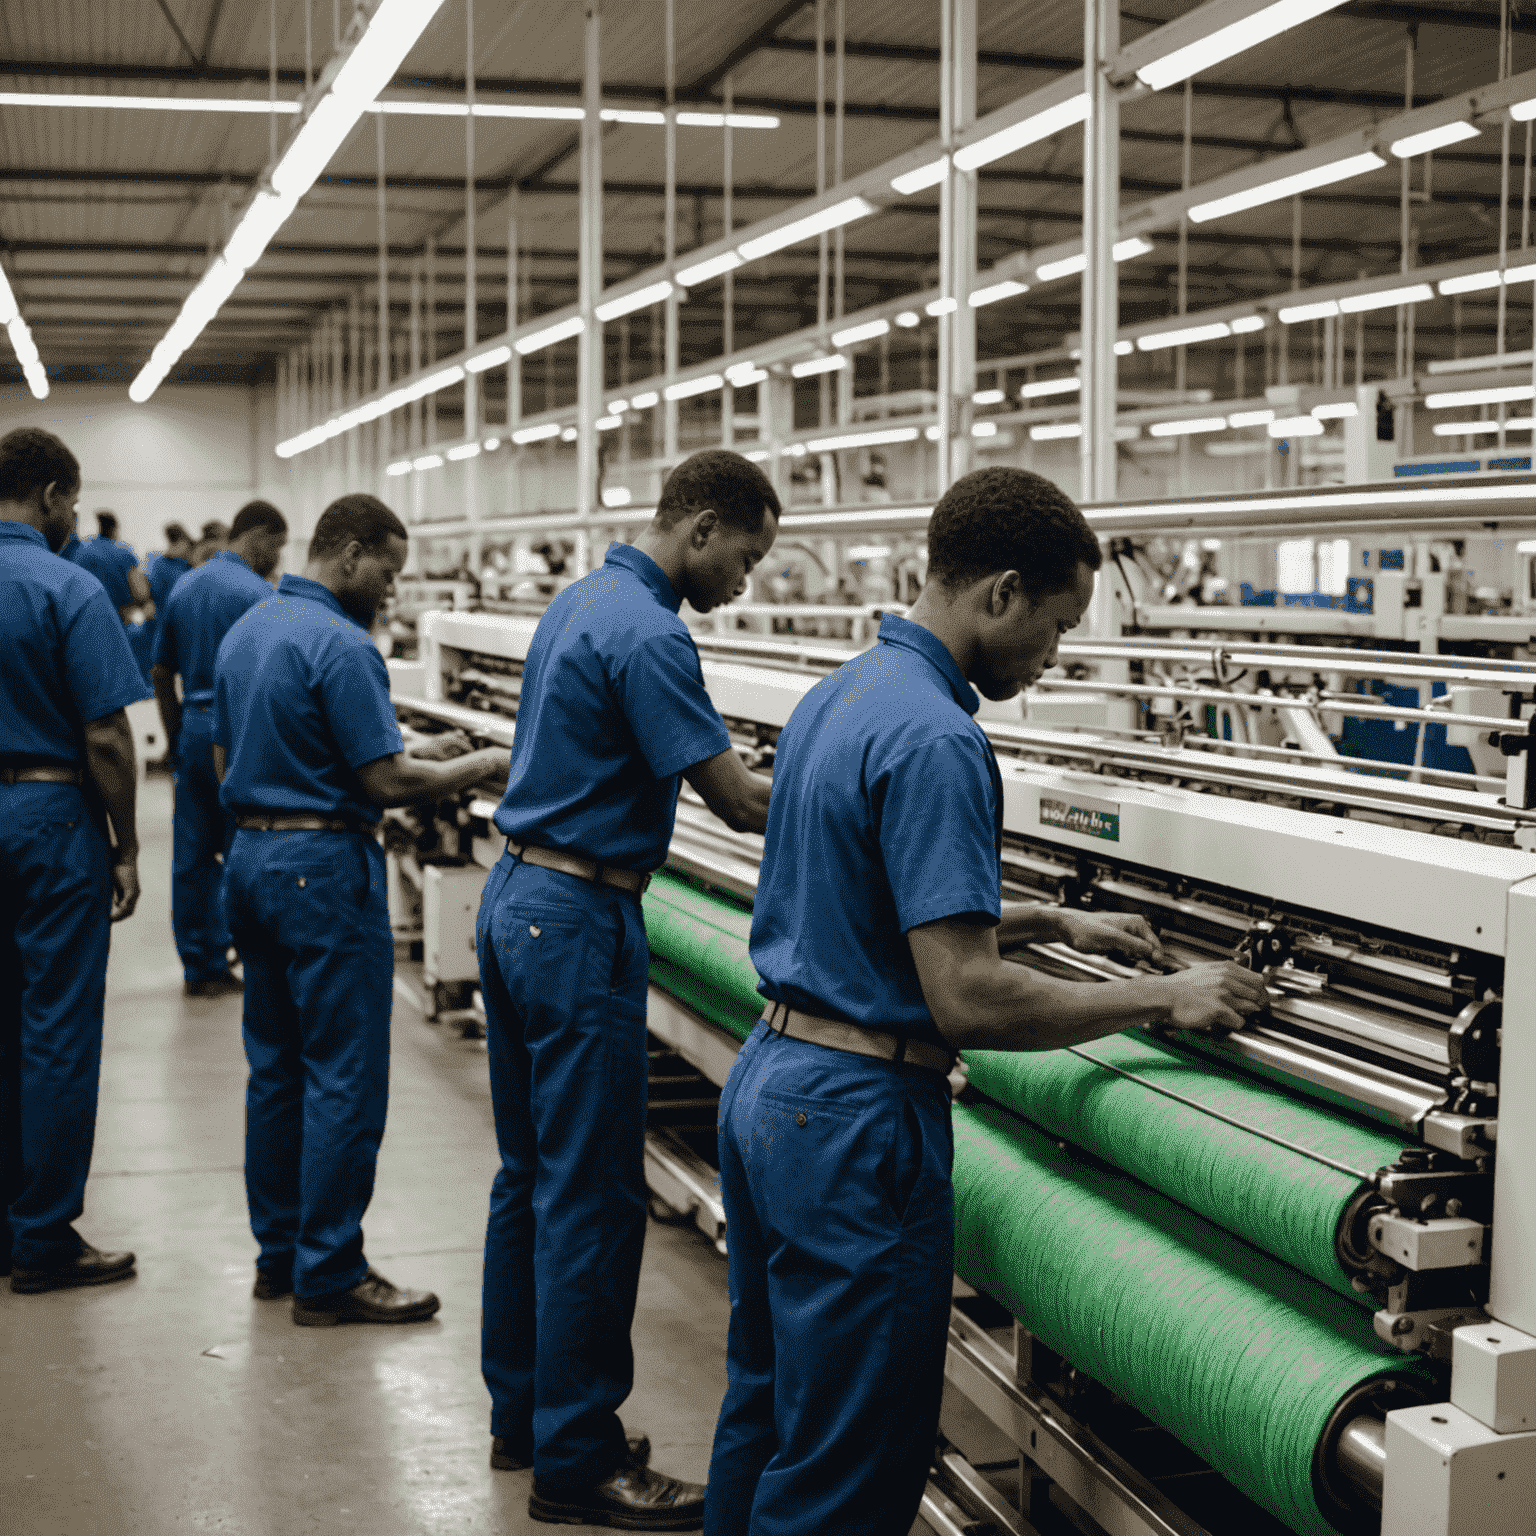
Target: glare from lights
x=995, y=291
x=617, y=407
x=492, y=444
x=1185, y=336
x=984, y=429
x=815, y=365
x=1523, y=111
x=688, y=388
x=538, y=434
x=875, y=439
x=538, y=340
x=1432, y=138
x=989, y=397
x=1039, y=388
x=628, y=303
x=1499, y=395
x=1250, y=418
x=643, y=401
x=937, y=307
x=786, y=235
x=22, y=343
x=929, y=175
x=1336, y=410
x=399, y=467
x=616, y=496
x=428, y=461
x=569, y=435
x=464, y=451
x=1225, y=42
x=908, y=318
x=1188, y=428
x=1296, y=426
x=1041, y=125
x=492, y=359
x=856, y=333
x=726, y=120
x=1287, y=186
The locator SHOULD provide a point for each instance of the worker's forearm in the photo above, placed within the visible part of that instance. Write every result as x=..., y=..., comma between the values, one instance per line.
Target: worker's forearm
x=415, y=780
x=170, y=705
x=110, y=766
x=1010, y=1008
x=1035, y=923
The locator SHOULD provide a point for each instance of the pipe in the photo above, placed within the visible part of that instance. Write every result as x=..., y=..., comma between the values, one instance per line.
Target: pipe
x=1362, y=1457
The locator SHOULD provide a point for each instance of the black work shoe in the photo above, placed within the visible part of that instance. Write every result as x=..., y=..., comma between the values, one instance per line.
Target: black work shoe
x=272, y=1283
x=630, y=1499
x=372, y=1300
x=88, y=1267
x=506, y=1458
x=221, y=984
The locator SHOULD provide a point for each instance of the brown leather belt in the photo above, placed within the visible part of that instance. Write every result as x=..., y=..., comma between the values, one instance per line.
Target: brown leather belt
x=39, y=776
x=794, y=1025
x=582, y=867
x=283, y=821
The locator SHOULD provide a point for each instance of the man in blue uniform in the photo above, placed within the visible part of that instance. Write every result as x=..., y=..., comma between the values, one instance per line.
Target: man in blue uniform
x=163, y=572
x=198, y=614
x=116, y=567
x=308, y=750
x=613, y=712
x=877, y=931
x=69, y=851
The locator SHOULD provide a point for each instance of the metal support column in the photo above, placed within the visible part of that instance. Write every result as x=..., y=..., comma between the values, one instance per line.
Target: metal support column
x=471, y=280
x=413, y=439
x=515, y=362
x=673, y=319
x=383, y=428
x=957, y=243
x=1101, y=294
x=728, y=295
x=351, y=390
x=589, y=366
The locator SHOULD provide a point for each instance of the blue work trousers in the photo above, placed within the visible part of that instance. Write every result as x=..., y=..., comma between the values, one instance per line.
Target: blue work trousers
x=308, y=911
x=55, y=923
x=202, y=833
x=840, y=1218
x=563, y=967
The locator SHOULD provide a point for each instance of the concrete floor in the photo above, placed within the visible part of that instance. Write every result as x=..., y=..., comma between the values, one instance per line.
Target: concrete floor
x=174, y=1402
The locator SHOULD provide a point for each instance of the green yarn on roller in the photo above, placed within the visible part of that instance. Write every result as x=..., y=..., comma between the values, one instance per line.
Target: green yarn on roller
x=735, y=1019
x=1239, y=1356
x=705, y=937
x=1279, y=1200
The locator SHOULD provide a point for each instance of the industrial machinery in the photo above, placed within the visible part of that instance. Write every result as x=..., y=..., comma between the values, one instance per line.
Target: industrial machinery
x=1280, y=1280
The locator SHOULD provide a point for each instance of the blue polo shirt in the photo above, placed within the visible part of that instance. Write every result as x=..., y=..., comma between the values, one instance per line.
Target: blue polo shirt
x=198, y=614
x=67, y=660
x=300, y=702
x=109, y=562
x=886, y=814
x=612, y=710
x=162, y=575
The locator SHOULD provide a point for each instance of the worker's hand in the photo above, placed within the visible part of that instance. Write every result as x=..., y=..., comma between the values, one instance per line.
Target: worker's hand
x=125, y=888
x=1217, y=996
x=501, y=764
x=1110, y=933
x=442, y=748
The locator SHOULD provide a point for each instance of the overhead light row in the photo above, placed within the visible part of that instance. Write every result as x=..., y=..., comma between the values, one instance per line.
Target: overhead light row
x=1191, y=335
x=1191, y=426
x=1069, y=266
x=820, y=222
x=371, y=410
x=21, y=341
x=367, y=69
x=1481, y=428
x=532, y=111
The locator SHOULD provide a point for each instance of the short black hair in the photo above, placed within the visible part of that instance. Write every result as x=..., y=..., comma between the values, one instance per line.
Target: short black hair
x=734, y=487
x=258, y=515
x=1005, y=519
x=31, y=459
x=359, y=516
x=106, y=522
x=176, y=534
x=215, y=530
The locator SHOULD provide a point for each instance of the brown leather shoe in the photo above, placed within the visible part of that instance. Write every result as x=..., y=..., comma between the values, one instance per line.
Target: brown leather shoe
x=88, y=1267
x=629, y=1499
x=372, y=1300
x=505, y=1458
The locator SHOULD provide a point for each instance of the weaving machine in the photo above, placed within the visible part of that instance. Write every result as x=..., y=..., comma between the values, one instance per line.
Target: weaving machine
x=1289, y=1257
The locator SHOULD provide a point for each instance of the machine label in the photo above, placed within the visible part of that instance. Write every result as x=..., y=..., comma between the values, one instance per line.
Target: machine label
x=1083, y=815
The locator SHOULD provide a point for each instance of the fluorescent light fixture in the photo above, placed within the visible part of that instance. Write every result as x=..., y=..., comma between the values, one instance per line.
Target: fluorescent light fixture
x=1246, y=325
x=874, y=439
x=1471, y=282
x=1188, y=428
x=569, y=435
x=1324, y=309
x=1296, y=426
x=815, y=365
x=1523, y=111
x=1358, y=303
x=538, y=340
x=464, y=451
x=367, y=68
x=628, y=303
x=616, y=496
x=608, y=423
x=868, y=552
x=726, y=120
x=545, y=429
x=534, y=112
x=1122, y=348
x=929, y=175
x=1185, y=336
x=492, y=359
x=716, y=266
x=617, y=407
x=908, y=318
x=690, y=387
x=1336, y=410
x=492, y=444
x=1051, y=431
x=21, y=342
x=938, y=307
x=399, y=467
x=995, y=291
x=1235, y=38
x=1286, y=186
x=866, y=332
x=145, y=103
x=1432, y=138
x=646, y=118
x=428, y=461
x=1496, y=396
x=757, y=456
x=818, y=223
x=1250, y=418
x=1041, y=126
x=983, y=429
x=1482, y=429
x=643, y=401
x=1042, y=387
x=1129, y=249
x=370, y=410
x=745, y=378
x=1069, y=266
x=989, y=397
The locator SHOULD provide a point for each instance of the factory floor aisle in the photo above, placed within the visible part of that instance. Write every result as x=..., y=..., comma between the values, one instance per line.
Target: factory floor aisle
x=174, y=1402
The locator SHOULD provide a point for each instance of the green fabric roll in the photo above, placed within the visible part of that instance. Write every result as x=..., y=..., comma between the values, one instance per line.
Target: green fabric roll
x=730, y=1015
x=704, y=935
x=1279, y=1200
x=1239, y=1356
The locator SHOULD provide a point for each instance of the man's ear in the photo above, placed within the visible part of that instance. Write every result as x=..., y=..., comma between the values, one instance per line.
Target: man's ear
x=1006, y=591
x=706, y=524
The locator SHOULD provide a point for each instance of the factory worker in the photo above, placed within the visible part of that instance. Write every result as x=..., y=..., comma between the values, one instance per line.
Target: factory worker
x=116, y=567
x=613, y=712
x=308, y=750
x=876, y=932
x=69, y=852
x=197, y=615
x=165, y=570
